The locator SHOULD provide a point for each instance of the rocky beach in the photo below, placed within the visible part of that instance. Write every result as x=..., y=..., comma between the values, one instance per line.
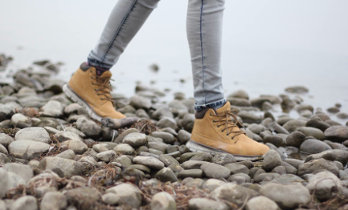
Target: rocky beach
x=53, y=156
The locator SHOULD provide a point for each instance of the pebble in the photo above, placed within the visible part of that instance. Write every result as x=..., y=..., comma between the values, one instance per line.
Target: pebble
x=295, y=139
x=53, y=109
x=261, y=203
x=83, y=197
x=3, y=149
x=106, y=156
x=167, y=122
x=27, y=149
x=337, y=133
x=233, y=193
x=163, y=201
x=135, y=139
x=88, y=127
x=195, y=173
x=5, y=139
x=25, y=202
x=325, y=185
x=151, y=162
x=67, y=154
x=184, y=136
x=313, y=146
x=64, y=167
x=24, y=171
x=21, y=121
x=314, y=132
x=212, y=184
x=237, y=168
x=125, y=149
x=212, y=170
x=53, y=201
x=286, y=196
x=75, y=145
x=141, y=102
x=239, y=178
x=335, y=154
x=166, y=174
x=127, y=194
x=317, y=165
x=167, y=137
x=271, y=160
x=293, y=125
x=34, y=134
x=206, y=204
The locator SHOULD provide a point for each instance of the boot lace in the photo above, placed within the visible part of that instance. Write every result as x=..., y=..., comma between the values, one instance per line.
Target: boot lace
x=228, y=121
x=103, y=87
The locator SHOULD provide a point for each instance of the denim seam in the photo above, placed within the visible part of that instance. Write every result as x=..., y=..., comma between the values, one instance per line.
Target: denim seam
x=210, y=105
x=202, y=50
x=119, y=30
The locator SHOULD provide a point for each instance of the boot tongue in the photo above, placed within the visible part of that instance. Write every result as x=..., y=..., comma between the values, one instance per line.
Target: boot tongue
x=225, y=107
x=105, y=75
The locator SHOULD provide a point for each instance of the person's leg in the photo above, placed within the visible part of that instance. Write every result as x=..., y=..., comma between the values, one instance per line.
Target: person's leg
x=216, y=128
x=124, y=22
x=204, y=29
x=89, y=85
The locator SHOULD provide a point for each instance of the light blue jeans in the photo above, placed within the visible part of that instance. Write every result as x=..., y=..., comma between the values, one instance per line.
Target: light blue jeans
x=204, y=29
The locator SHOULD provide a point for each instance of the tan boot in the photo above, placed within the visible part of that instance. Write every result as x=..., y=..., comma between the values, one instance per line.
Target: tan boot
x=92, y=92
x=217, y=131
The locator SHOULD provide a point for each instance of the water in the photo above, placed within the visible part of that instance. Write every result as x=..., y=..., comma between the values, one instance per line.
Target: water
x=267, y=44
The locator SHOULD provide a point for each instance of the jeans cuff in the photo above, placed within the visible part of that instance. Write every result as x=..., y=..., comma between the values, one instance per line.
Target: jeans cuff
x=98, y=64
x=213, y=105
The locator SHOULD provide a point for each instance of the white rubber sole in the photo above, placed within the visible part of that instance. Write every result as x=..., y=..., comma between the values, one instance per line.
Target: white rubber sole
x=196, y=147
x=74, y=97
